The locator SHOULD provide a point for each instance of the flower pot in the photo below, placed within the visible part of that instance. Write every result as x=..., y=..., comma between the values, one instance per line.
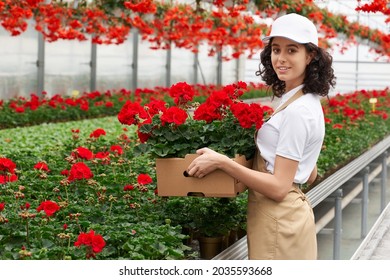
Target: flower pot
x=171, y=180
x=241, y=233
x=210, y=246
x=233, y=237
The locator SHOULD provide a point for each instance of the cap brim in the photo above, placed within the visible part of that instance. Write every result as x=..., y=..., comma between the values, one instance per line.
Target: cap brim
x=268, y=38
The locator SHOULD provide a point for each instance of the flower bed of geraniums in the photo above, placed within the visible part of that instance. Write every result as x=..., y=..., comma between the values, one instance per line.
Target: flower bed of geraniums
x=38, y=109
x=71, y=178
x=47, y=212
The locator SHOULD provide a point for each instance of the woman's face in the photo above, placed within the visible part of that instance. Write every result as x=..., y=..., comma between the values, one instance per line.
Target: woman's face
x=289, y=60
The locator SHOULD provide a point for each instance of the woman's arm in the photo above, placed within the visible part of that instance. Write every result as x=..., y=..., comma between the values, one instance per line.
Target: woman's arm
x=313, y=176
x=275, y=186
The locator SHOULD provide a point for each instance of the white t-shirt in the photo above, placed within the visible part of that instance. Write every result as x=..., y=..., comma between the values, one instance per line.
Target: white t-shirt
x=297, y=133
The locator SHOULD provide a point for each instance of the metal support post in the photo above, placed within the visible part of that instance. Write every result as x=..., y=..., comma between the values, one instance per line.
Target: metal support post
x=384, y=181
x=338, y=194
x=237, y=72
x=357, y=59
x=196, y=61
x=168, y=67
x=41, y=64
x=365, y=202
x=93, y=65
x=219, y=69
x=134, y=65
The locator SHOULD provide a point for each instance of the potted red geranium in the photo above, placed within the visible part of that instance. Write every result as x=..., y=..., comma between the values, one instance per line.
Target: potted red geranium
x=173, y=134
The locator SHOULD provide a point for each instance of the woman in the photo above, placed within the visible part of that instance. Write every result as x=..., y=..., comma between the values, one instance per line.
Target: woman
x=281, y=223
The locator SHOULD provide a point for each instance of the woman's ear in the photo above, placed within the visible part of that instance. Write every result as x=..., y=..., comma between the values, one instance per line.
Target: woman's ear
x=310, y=57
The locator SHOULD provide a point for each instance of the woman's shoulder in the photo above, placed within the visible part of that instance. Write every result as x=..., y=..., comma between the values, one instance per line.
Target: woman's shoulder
x=307, y=105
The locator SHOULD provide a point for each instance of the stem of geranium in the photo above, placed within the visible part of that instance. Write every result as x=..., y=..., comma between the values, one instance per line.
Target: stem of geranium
x=27, y=233
x=77, y=222
x=66, y=192
x=109, y=211
x=67, y=249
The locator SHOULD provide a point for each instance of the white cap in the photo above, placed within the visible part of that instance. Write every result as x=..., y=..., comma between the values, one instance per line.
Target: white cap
x=294, y=27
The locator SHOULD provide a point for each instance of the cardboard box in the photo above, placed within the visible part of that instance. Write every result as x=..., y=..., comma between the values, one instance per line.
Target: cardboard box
x=171, y=180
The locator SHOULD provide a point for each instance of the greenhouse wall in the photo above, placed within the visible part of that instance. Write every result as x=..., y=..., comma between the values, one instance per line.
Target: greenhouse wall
x=67, y=66
x=30, y=66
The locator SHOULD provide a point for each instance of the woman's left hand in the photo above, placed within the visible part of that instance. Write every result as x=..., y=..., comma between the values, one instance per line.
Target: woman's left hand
x=207, y=162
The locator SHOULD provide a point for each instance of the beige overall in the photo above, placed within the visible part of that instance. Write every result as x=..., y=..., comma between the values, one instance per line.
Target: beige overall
x=280, y=230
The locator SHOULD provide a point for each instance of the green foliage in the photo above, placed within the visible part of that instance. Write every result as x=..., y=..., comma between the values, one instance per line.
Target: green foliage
x=131, y=222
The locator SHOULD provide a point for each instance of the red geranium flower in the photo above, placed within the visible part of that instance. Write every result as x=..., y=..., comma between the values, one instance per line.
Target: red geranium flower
x=2, y=206
x=94, y=243
x=181, y=93
x=248, y=114
x=116, y=149
x=103, y=156
x=131, y=113
x=83, y=153
x=8, y=178
x=7, y=171
x=49, y=207
x=128, y=188
x=7, y=165
x=97, y=133
x=79, y=171
x=42, y=166
x=207, y=112
x=155, y=106
x=174, y=115
x=144, y=179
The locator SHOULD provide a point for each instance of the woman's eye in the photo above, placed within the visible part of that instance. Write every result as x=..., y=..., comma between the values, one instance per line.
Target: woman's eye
x=275, y=51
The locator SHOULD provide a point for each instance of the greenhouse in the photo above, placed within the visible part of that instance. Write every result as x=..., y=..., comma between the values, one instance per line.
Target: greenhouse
x=89, y=168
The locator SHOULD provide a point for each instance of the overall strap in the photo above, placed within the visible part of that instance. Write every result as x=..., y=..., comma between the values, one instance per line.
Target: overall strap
x=258, y=161
x=298, y=94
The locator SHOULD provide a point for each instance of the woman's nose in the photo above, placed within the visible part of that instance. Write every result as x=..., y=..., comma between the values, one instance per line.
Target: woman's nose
x=282, y=58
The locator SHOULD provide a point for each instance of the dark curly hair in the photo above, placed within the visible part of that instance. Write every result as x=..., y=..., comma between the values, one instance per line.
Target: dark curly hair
x=319, y=73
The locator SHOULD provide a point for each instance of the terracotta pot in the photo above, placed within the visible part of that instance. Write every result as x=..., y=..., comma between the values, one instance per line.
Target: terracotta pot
x=210, y=246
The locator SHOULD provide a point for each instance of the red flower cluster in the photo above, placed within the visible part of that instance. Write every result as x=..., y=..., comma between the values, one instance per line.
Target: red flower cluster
x=7, y=171
x=83, y=153
x=94, y=243
x=132, y=113
x=219, y=102
x=50, y=207
x=128, y=188
x=116, y=149
x=79, y=171
x=135, y=114
x=144, y=179
x=97, y=133
x=42, y=166
x=381, y=6
x=181, y=93
x=248, y=114
x=353, y=107
x=174, y=115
